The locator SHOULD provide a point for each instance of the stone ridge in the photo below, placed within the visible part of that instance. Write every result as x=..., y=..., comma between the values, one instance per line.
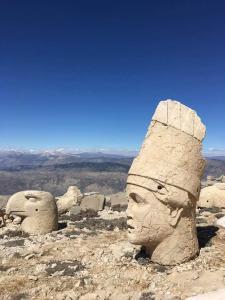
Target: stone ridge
x=181, y=117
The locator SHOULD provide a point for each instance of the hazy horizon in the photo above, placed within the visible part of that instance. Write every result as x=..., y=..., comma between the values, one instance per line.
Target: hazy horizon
x=126, y=152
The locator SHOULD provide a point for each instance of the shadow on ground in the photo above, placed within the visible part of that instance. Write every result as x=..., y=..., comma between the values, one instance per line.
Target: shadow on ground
x=205, y=235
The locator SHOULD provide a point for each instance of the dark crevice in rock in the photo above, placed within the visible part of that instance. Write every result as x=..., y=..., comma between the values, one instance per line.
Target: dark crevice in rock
x=205, y=234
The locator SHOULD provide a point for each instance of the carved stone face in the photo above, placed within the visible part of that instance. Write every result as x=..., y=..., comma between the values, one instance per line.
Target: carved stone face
x=38, y=209
x=150, y=217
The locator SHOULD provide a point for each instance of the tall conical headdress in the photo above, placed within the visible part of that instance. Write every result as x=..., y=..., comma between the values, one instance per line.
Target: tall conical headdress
x=171, y=152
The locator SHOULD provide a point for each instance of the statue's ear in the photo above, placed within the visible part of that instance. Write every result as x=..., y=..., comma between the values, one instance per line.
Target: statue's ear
x=175, y=214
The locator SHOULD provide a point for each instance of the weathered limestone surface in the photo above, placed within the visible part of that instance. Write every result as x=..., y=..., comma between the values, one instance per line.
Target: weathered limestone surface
x=93, y=202
x=38, y=209
x=72, y=197
x=119, y=201
x=3, y=201
x=75, y=210
x=221, y=222
x=215, y=295
x=163, y=185
x=212, y=196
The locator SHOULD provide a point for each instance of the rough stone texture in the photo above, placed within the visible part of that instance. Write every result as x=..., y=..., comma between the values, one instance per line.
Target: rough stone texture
x=85, y=261
x=163, y=185
x=174, y=114
x=221, y=222
x=38, y=209
x=119, y=201
x=93, y=202
x=75, y=210
x=215, y=295
x=3, y=201
x=212, y=196
x=72, y=197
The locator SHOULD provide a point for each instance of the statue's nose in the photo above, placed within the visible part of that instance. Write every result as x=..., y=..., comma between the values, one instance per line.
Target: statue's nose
x=16, y=205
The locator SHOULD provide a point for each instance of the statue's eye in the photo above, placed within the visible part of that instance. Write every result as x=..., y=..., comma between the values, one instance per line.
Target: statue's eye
x=160, y=187
x=136, y=198
x=32, y=199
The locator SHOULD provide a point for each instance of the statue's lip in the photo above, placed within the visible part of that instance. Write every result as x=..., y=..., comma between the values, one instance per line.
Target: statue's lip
x=130, y=227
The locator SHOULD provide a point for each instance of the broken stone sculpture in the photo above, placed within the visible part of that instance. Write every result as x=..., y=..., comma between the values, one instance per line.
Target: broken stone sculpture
x=119, y=201
x=212, y=196
x=94, y=202
x=163, y=185
x=38, y=211
x=69, y=199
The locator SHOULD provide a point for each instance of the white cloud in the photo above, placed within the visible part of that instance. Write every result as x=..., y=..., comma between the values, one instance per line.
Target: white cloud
x=214, y=152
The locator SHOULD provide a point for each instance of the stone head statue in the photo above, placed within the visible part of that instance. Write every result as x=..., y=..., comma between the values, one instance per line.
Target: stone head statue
x=212, y=196
x=163, y=185
x=38, y=210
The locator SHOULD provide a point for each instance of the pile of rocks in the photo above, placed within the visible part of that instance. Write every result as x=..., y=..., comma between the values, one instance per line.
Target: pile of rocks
x=74, y=202
x=210, y=180
x=90, y=258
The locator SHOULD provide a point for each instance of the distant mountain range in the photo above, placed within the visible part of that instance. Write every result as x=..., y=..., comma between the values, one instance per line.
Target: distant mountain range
x=10, y=160
x=91, y=171
x=216, y=157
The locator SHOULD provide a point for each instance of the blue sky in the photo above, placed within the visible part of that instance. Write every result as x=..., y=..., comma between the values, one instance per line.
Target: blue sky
x=89, y=74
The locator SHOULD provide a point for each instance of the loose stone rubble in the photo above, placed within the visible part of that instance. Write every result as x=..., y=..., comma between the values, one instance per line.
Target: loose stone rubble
x=163, y=185
x=90, y=258
x=212, y=180
x=38, y=209
x=2, y=217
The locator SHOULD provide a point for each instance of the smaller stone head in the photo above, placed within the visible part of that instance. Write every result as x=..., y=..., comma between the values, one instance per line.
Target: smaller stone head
x=38, y=210
x=213, y=195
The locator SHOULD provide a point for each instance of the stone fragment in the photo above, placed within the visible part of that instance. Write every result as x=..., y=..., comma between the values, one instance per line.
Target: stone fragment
x=163, y=185
x=212, y=196
x=72, y=197
x=75, y=210
x=38, y=209
x=93, y=202
x=17, y=220
x=119, y=201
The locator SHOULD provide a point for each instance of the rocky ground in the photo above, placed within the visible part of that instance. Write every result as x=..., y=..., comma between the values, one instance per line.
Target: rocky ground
x=89, y=258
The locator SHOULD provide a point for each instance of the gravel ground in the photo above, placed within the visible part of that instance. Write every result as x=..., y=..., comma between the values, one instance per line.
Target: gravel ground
x=89, y=258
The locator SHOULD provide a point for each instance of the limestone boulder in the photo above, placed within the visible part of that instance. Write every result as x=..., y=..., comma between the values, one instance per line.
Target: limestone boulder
x=72, y=197
x=119, y=201
x=212, y=196
x=93, y=202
